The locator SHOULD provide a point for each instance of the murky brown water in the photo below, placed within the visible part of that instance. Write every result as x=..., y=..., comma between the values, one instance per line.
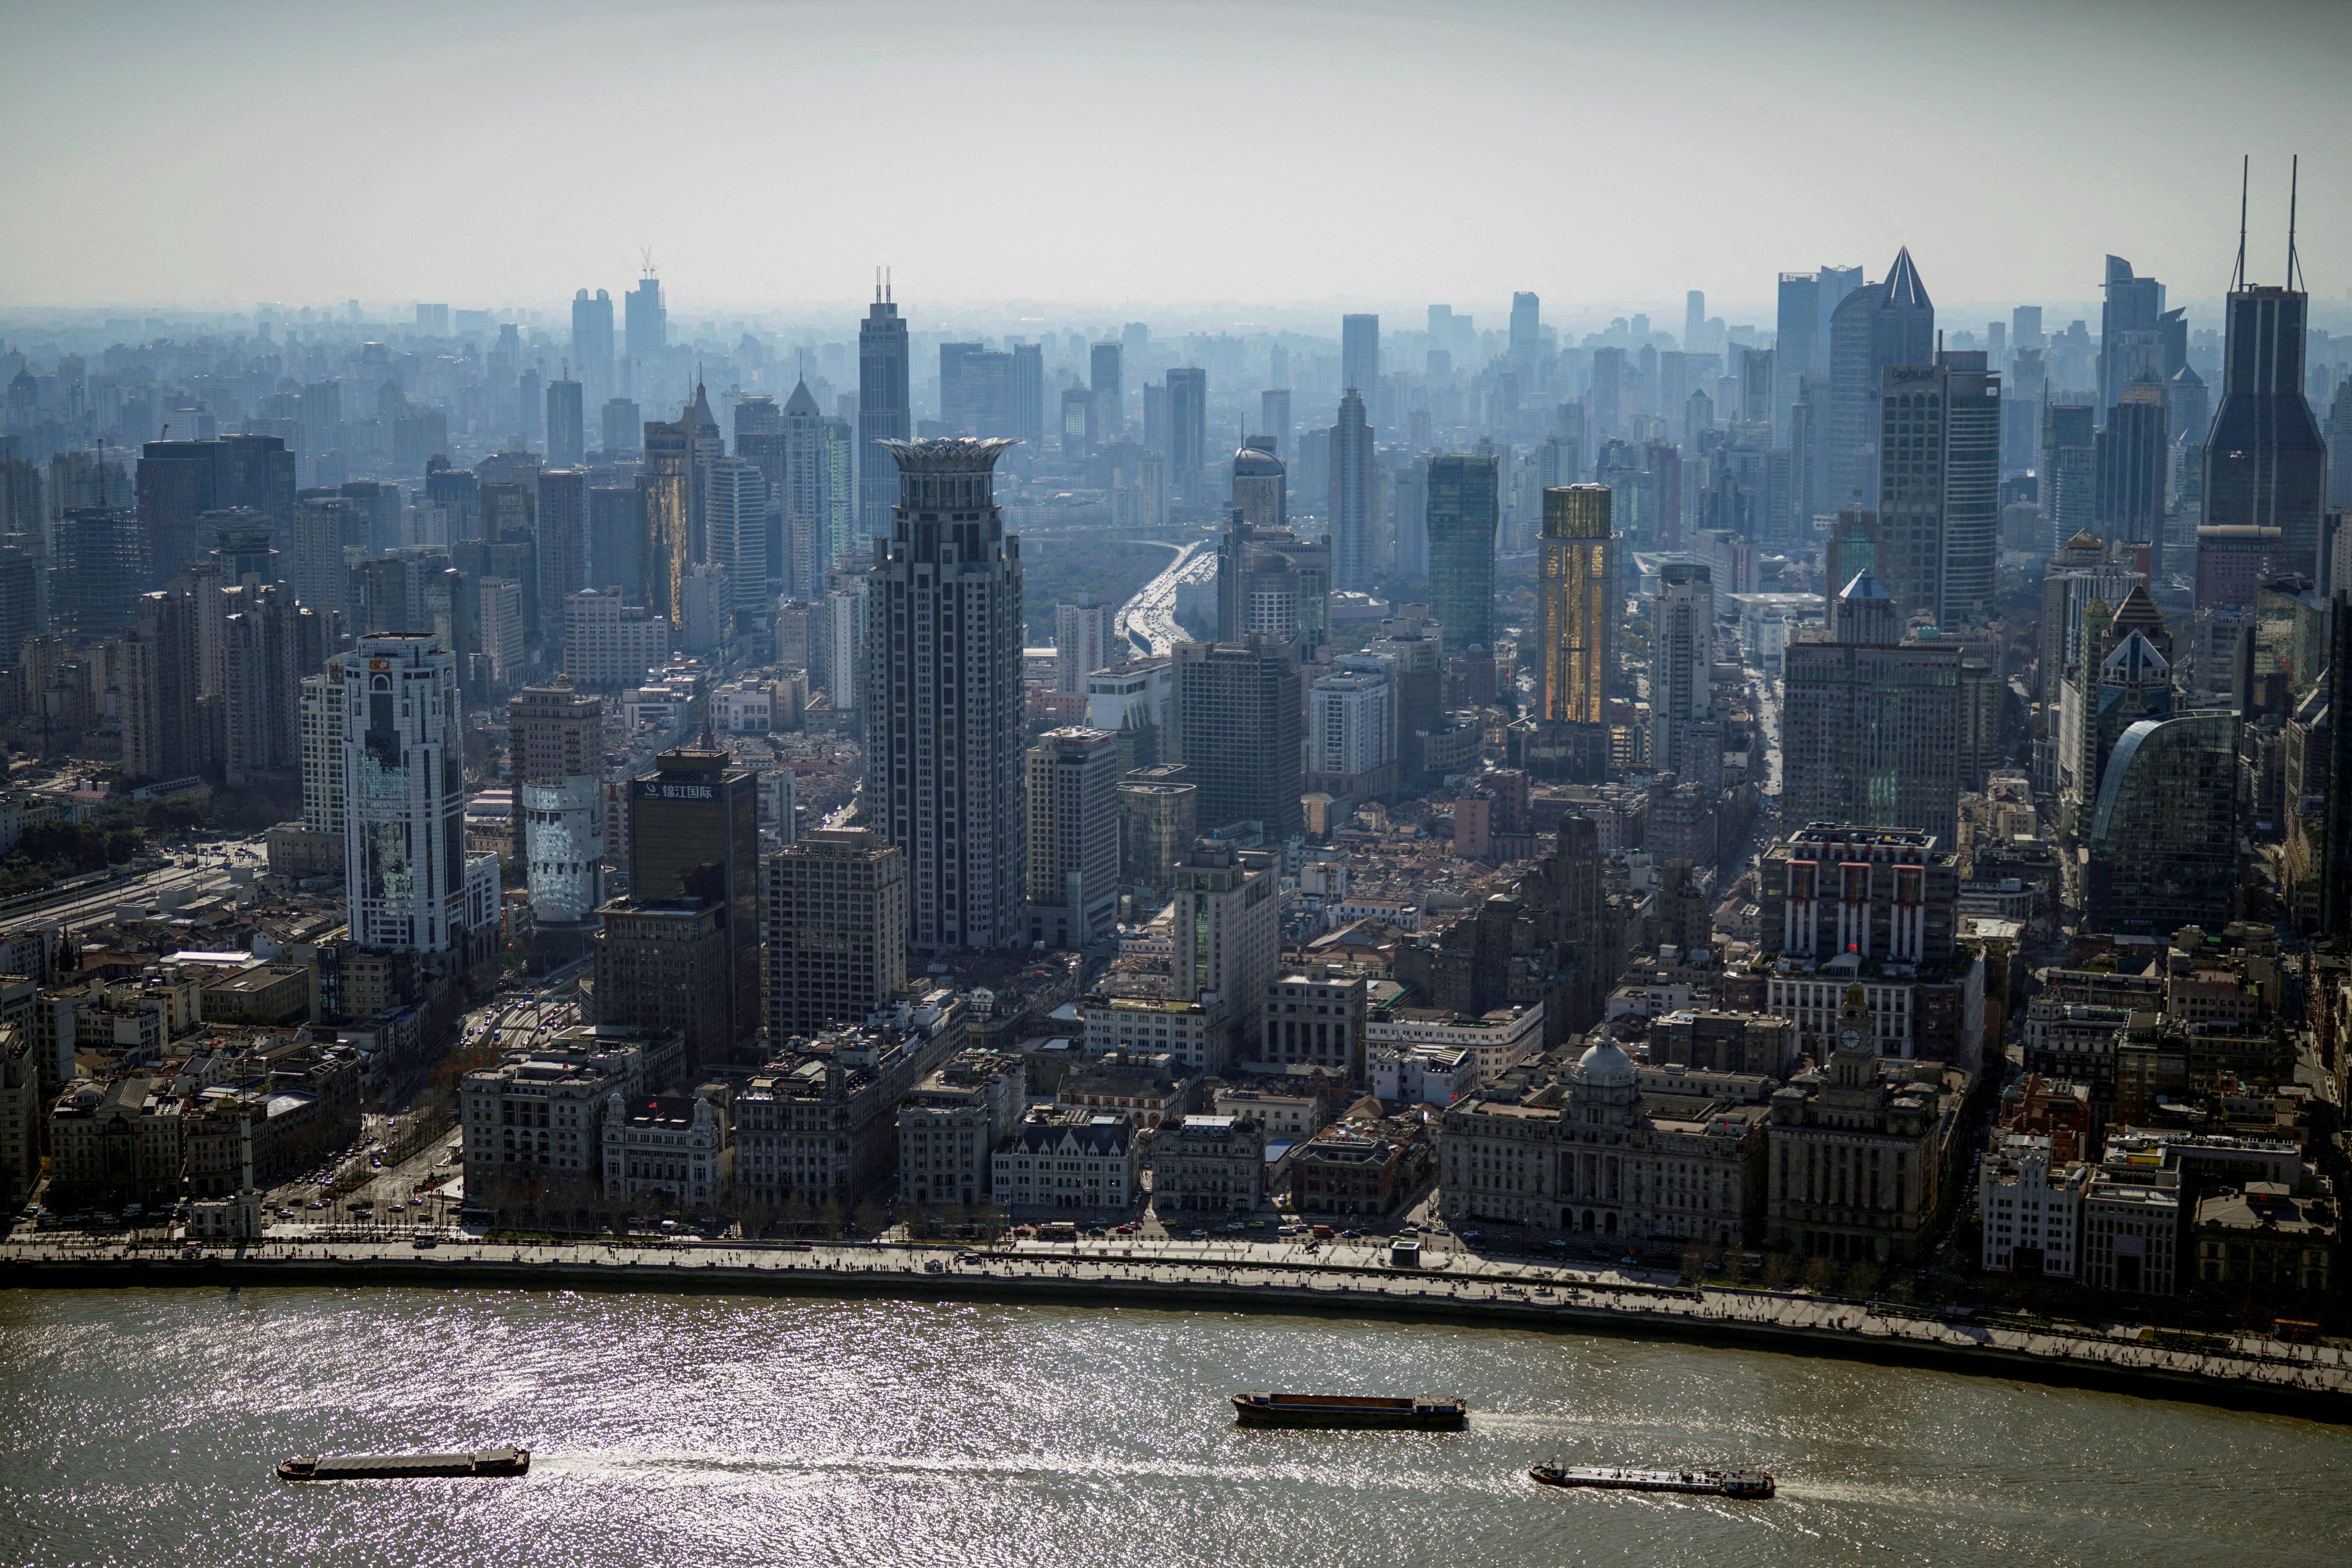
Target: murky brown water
x=141, y=1427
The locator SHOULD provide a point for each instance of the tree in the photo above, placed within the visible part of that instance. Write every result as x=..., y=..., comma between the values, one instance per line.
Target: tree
x=1861, y=1279
x=1820, y=1273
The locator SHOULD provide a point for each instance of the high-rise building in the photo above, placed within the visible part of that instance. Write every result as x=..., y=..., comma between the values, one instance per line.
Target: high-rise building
x=1939, y=498
x=323, y=751
x=736, y=534
x=1464, y=512
x=591, y=341
x=563, y=552
x=2069, y=477
x=694, y=844
x=944, y=710
x=1105, y=399
x=2164, y=839
x=1526, y=327
x=2131, y=334
x=411, y=886
x=1188, y=435
x=1360, y=352
x=2266, y=461
x=1796, y=346
x=884, y=411
x=1683, y=740
x=836, y=929
x=1085, y=638
x=623, y=427
x=1891, y=323
x=1238, y=725
x=1577, y=606
x=1227, y=927
x=99, y=564
x=2132, y=469
x=1025, y=397
x=1073, y=849
x=666, y=517
x=567, y=424
x=1871, y=726
x=1262, y=485
x=645, y=321
x=1355, y=487
x=556, y=743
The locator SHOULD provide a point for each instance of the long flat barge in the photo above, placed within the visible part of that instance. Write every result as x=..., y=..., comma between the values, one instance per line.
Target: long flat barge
x=1418, y=1415
x=490, y=1462
x=1742, y=1484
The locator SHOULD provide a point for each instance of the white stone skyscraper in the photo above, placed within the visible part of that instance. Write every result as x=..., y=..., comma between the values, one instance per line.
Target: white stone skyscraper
x=944, y=708
x=1073, y=828
x=736, y=525
x=1355, y=481
x=412, y=886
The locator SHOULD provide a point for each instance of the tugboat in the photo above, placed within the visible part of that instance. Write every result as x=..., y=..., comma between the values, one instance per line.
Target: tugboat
x=1743, y=1485
x=1350, y=1410
x=490, y=1462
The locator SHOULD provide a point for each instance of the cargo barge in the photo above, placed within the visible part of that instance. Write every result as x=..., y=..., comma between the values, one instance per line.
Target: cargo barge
x=490, y=1462
x=1350, y=1410
x=1754, y=1485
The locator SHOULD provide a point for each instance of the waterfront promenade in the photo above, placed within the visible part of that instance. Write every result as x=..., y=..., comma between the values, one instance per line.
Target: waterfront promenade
x=1338, y=1278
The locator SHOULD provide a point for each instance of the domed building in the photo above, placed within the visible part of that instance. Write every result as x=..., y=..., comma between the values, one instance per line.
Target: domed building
x=1604, y=1148
x=1260, y=486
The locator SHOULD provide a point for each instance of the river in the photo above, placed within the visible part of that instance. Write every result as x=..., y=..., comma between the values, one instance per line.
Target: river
x=139, y=1426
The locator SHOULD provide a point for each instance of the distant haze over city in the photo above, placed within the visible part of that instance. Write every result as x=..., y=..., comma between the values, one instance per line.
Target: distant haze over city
x=1264, y=162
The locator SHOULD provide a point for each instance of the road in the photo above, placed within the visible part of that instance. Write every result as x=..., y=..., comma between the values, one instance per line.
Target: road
x=1148, y=621
x=85, y=906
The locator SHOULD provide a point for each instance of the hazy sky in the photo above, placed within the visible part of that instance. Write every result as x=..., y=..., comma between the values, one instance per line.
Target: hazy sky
x=1279, y=152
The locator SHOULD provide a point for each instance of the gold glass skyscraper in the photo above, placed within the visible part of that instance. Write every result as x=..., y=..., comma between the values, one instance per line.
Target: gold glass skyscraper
x=665, y=506
x=1576, y=606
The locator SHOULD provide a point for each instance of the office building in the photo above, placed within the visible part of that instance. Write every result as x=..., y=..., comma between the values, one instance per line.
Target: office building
x=884, y=410
x=836, y=906
x=2163, y=841
x=666, y=512
x=555, y=753
x=2266, y=460
x=411, y=885
x=1106, y=397
x=808, y=527
x=952, y=1123
x=2068, y=474
x=645, y=321
x=1577, y=606
x=1681, y=659
x=1159, y=817
x=1465, y=499
x=1890, y=323
x=1526, y=329
x=1238, y=731
x=1355, y=487
x=1074, y=836
x=1226, y=929
x=591, y=341
x=1871, y=726
x=1274, y=419
x=567, y=424
x=1187, y=436
x=1260, y=485
x=1360, y=354
x=944, y=710
x=2131, y=334
x=623, y=427
x=1939, y=486
x=735, y=536
x=2133, y=470
x=694, y=841
x=1085, y=639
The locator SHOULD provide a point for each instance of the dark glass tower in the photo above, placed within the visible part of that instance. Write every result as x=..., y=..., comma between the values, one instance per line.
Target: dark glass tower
x=1463, y=518
x=694, y=838
x=2265, y=462
x=884, y=413
x=1892, y=323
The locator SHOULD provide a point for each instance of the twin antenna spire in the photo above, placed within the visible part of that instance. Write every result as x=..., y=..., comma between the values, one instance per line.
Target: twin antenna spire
x=881, y=285
x=2293, y=261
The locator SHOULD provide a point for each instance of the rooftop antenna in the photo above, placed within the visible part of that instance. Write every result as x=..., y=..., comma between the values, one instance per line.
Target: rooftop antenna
x=886, y=284
x=878, y=285
x=646, y=251
x=2293, y=177
x=2238, y=273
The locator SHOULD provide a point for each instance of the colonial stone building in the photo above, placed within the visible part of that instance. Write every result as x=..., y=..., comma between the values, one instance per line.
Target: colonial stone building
x=1208, y=1164
x=1858, y=1151
x=1590, y=1153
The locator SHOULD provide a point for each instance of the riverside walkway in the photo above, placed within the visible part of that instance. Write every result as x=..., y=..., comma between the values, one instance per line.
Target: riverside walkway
x=1336, y=1277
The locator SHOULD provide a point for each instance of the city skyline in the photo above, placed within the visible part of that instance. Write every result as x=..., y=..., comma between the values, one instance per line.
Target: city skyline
x=1735, y=120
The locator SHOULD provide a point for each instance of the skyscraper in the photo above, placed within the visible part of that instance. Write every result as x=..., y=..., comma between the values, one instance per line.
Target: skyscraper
x=1463, y=503
x=646, y=320
x=1260, y=485
x=1796, y=346
x=1360, y=352
x=943, y=706
x=567, y=430
x=666, y=518
x=1073, y=832
x=591, y=341
x=1085, y=639
x=1938, y=468
x=694, y=843
x=2265, y=462
x=1683, y=739
x=555, y=759
x=1892, y=323
x=2132, y=468
x=736, y=534
x=411, y=885
x=2131, y=334
x=1872, y=730
x=1576, y=606
x=1355, y=480
x=1105, y=396
x=1238, y=731
x=1526, y=328
x=1024, y=397
x=1274, y=419
x=809, y=551
x=1188, y=435
x=2164, y=839
x=884, y=411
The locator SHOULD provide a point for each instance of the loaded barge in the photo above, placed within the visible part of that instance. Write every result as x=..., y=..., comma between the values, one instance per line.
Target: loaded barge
x=1741, y=1484
x=1350, y=1410
x=405, y=1467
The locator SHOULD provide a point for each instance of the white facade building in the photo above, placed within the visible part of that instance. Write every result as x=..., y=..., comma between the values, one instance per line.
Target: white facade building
x=1073, y=885
x=323, y=750
x=1134, y=696
x=735, y=509
x=2027, y=1208
x=565, y=872
x=1085, y=638
x=671, y=1147
x=609, y=643
x=1351, y=723
x=411, y=885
